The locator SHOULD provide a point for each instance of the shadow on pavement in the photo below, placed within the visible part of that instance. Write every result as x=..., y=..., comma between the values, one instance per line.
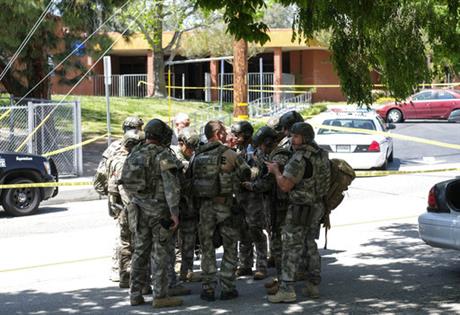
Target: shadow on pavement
x=395, y=273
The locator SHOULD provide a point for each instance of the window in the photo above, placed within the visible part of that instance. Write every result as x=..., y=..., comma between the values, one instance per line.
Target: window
x=444, y=95
x=423, y=96
x=347, y=123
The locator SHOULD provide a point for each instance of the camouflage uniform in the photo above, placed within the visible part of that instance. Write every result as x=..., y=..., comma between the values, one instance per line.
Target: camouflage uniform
x=118, y=199
x=309, y=170
x=150, y=175
x=217, y=171
x=251, y=205
x=100, y=185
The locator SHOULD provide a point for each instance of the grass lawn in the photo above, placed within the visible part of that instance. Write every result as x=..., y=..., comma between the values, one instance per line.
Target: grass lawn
x=94, y=119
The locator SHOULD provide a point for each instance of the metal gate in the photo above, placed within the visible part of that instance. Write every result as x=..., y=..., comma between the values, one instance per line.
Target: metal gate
x=53, y=126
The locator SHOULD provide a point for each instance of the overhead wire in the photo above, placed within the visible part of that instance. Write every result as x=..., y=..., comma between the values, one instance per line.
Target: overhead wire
x=30, y=135
x=26, y=40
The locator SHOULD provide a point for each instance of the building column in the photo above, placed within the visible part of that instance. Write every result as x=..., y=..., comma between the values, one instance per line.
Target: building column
x=278, y=72
x=240, y=84
x=150, y=84
x=214, y=69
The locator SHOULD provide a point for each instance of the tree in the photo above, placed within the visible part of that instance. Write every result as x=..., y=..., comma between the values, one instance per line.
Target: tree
x=178, y=16
x=66, y=24
x=389, y=36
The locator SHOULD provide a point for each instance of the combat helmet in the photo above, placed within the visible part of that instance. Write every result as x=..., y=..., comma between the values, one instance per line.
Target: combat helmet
x=304, y=129
x=288, y=119
x=132, y=122
x=263, y=134
x=157, y=129
x=243, y=127
x=132, y=137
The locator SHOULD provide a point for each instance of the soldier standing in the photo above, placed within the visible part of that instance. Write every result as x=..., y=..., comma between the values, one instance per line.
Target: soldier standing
x=306, y=177
x=100, y=184
x=217, y=171
x=119, y=198
x=150, y=176
x=251, y=206
x=267, y=140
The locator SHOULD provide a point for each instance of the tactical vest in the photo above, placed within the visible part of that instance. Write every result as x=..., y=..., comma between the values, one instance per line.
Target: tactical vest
x=279, y=194
x=313, y=189
x=208, y=179
x=141, y=172
x=113, y=177
x=100, y=180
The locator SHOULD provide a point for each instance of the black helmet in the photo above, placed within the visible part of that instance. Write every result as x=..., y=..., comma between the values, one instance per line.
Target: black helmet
x=132, y=122
x=243, y=127
x=304, y=129
x=158, y=130
x=290, y=118
x=263, y=134
x=132, y=137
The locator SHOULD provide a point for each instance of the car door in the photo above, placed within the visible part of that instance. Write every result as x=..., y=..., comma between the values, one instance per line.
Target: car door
x=421, y=104
x=442, y=105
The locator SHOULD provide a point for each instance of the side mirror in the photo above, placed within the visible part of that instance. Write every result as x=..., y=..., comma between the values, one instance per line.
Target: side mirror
x=391, y=126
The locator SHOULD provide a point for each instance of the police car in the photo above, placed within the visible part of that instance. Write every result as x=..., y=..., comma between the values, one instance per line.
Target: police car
x=360, y=150
x=16, y=168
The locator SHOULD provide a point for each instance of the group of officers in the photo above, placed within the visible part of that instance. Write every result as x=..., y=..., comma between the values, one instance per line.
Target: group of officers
x=222, y=188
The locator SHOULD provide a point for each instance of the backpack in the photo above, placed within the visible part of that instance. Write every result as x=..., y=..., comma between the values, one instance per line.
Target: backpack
x=342, y=174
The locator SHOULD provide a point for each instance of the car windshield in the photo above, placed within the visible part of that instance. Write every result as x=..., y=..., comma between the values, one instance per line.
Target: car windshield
x=347, y=123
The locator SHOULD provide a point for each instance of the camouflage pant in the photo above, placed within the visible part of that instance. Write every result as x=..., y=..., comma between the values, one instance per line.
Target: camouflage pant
x=251, y=233
x=218, y=216
x=116, y=251
x=188, y=229
x=171, y=249
x=277, y=223
x=151, y=241
x=125, y=248
x=293, y=241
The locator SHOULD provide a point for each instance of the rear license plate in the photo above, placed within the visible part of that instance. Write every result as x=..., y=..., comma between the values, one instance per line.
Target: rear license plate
x=341, y=148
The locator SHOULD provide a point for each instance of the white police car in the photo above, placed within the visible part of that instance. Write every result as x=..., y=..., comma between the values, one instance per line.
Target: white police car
x=360, y=150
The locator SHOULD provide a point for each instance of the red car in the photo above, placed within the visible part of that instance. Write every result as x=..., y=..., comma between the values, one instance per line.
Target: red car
x=426, y=104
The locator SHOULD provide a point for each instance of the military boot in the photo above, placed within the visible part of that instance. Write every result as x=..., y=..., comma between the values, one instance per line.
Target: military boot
x=260, y=274
x=229, y=295
x=136, y=299
x=147, y=290
x=179, y=290
x=311, y=290
x=270, y=284
x=167, y=301
x=284, y=295
x=208, y=295
x=273, y=290
x=124, y=280
x=240, y=272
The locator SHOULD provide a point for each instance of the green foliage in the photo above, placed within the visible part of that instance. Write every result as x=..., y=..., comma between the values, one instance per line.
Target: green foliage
x=406, y=41
x=66, y=23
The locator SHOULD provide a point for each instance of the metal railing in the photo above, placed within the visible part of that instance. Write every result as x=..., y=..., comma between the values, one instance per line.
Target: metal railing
x=200, y=117
x=266, y=107
x=61, y=129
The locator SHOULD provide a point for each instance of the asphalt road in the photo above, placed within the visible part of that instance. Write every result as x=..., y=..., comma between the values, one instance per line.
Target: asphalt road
x=57, y=262
x=411, y=153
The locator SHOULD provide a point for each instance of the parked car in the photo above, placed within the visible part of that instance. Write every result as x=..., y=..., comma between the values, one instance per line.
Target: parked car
x=360, y=150
x=426, y=104
x=440, y=225
x=16, y=168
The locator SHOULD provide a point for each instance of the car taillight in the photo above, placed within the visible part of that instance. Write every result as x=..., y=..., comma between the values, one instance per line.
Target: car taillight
x=432, y=204
x=374, y=147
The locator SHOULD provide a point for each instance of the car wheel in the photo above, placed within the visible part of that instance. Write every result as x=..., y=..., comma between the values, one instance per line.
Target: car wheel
x=21, y=201
x=390, y=158
x=394, y=116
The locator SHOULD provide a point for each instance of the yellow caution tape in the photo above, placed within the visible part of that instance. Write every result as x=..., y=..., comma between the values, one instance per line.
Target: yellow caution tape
x=48, y=184
x=386, y=173
x=74, y=146
x=5, y=114
x=388, y=134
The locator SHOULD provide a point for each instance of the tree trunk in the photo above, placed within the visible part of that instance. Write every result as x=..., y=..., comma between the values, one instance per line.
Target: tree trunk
x=158, y=54
x=240, y=86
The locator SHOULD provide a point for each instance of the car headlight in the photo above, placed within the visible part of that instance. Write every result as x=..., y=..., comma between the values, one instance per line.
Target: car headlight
x=47, y=166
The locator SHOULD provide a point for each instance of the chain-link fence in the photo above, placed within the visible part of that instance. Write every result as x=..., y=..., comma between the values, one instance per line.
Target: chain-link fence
x=40, y=127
